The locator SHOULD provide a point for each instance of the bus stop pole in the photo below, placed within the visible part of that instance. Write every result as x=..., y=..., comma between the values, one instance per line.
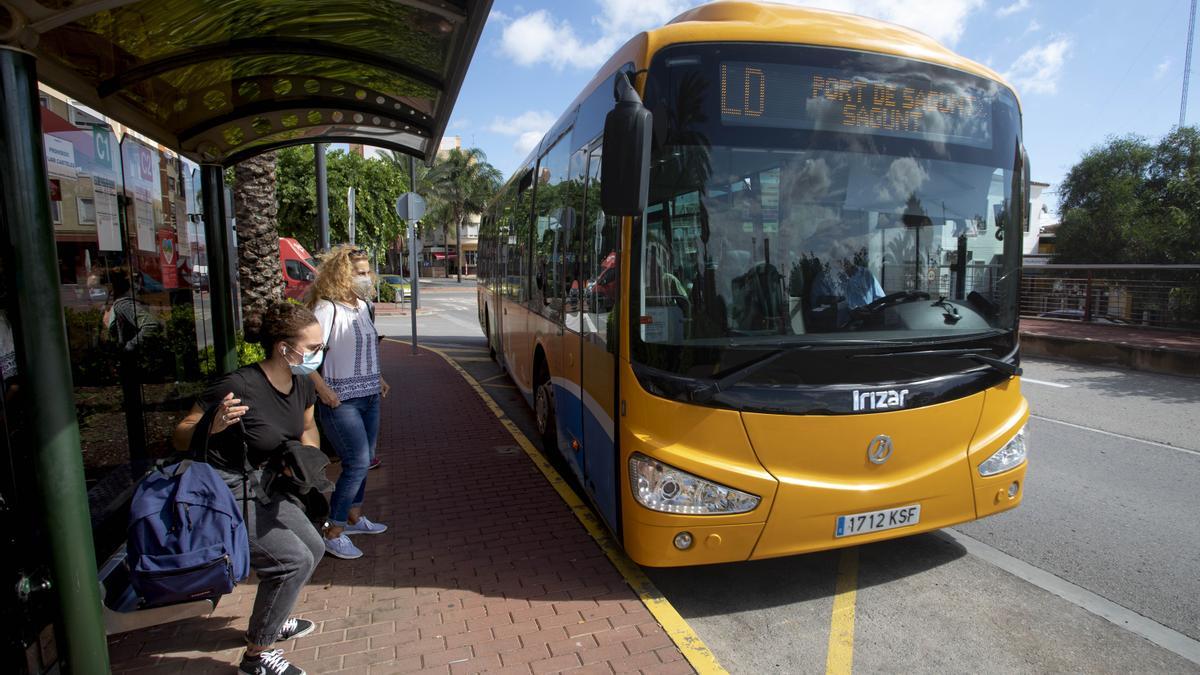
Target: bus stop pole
x=322, y=196
x=31, y=256
x=414, y=273
x=216, y=238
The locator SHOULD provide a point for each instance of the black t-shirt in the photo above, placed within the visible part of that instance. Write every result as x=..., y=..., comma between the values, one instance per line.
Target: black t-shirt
x=273, y=418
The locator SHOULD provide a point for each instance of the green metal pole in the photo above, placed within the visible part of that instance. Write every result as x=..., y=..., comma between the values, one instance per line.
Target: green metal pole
x=216, y=238
x=45, y=363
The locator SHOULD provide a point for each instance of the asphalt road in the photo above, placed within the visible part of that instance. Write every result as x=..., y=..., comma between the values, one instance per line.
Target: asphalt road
x=1096, y=571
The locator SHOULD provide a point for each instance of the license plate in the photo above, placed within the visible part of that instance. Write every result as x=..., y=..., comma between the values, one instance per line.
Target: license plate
x=874, y=521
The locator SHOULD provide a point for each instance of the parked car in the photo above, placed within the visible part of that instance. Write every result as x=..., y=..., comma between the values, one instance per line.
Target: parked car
x=1077, y=315
x=400, y=284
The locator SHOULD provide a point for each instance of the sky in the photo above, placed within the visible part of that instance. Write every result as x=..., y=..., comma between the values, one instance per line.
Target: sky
x=1084, y=71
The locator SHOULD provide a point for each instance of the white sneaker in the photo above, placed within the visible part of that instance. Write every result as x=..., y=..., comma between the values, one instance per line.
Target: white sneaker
x=341, y=547
x=364, y=526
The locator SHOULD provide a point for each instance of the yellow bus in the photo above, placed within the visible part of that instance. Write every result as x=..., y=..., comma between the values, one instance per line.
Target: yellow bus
x=759, y=285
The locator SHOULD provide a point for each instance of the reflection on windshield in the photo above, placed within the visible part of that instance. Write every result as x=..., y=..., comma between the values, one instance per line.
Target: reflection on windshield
x=755, y=233
x=797, y=243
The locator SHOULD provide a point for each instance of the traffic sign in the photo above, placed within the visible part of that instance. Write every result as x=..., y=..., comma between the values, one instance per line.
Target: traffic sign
x=410, y=207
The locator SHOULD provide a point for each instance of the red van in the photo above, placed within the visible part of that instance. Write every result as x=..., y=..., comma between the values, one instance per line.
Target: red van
x=299, y=268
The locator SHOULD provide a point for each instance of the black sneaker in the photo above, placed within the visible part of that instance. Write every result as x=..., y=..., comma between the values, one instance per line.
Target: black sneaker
x=295, y=628
x=268, y=663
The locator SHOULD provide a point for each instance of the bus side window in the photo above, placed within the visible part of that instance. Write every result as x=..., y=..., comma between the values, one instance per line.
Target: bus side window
x=552, y=197
x=572, y=285
x=601, y=264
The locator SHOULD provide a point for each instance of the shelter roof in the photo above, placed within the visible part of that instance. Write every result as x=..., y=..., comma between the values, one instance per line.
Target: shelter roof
x=224, y=80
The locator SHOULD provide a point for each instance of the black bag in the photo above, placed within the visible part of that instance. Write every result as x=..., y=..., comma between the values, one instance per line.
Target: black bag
x=303, y=483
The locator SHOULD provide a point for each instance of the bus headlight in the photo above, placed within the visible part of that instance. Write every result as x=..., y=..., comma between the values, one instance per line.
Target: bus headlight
x=661, y=487
x=1008, y=457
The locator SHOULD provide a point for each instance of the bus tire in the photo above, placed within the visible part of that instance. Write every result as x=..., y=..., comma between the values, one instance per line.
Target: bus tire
x=543, y=409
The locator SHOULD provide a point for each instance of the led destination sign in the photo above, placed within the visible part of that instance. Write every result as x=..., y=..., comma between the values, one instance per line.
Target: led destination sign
x=822, y=99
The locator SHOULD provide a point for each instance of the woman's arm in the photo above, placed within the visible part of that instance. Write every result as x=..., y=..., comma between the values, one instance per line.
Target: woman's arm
x=327, y=395
x=229, y=410
x=310, y=435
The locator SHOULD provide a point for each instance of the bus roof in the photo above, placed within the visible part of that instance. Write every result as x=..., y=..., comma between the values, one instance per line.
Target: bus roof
x=741, y=21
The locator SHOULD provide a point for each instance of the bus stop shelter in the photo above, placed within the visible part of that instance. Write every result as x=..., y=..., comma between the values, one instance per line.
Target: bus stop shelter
x=217, y=81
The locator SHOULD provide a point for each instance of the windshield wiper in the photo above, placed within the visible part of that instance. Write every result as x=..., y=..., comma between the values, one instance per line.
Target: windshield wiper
x=1002, y=365
x=705, y=391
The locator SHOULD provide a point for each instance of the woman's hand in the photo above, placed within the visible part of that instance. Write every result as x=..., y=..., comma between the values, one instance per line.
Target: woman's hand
x=229, y=411
x=384, y=388
x=328, y=397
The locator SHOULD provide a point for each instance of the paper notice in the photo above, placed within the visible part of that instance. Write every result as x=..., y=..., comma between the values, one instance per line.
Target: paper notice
x=108, y=222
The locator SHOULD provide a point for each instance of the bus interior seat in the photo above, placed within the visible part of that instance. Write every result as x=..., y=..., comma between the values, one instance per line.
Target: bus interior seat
x=733, y=264
x=760, y=301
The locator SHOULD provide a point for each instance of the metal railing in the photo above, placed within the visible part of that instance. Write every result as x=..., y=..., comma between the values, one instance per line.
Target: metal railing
x=1162, y=296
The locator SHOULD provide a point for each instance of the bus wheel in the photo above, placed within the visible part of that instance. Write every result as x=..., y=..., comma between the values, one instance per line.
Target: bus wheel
x=543, y=408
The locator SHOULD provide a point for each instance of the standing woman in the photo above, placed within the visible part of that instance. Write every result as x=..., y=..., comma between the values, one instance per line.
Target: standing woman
x=274, y=401
x=349, y=387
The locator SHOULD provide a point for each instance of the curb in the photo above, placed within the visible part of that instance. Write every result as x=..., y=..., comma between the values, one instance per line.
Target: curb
x=698, y=655
x=1164, y=360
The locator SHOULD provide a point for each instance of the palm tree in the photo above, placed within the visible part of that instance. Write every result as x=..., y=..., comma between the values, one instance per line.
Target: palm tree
x=464, y=181
x=255, y=208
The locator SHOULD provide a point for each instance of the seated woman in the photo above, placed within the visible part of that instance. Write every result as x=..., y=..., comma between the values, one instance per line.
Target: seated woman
x=267, y=404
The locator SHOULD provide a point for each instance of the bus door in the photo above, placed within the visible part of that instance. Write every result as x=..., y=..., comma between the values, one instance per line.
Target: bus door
x=599, y=326
x=568, y=399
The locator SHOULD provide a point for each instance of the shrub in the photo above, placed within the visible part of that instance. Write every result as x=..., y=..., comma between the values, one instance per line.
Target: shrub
x=387, y=293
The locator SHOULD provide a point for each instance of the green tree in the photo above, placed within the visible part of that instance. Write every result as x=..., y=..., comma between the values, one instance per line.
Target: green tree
x=1171, y=233
x=464, y=182
x=377, y=183
x=1130, y=201
x=1102, y=202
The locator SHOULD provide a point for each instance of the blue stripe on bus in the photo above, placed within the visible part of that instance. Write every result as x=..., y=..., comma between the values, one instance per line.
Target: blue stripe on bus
x=576, y=421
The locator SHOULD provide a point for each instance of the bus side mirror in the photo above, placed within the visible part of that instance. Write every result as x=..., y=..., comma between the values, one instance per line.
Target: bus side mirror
x=625, y=164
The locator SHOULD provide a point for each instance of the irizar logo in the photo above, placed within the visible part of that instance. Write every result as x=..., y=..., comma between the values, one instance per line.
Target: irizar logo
x=879, y=400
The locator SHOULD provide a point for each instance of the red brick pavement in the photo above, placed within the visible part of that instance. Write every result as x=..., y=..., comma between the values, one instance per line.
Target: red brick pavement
x=483, y=568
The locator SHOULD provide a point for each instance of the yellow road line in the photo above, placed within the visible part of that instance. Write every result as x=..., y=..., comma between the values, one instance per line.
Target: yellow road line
x=493, y=377
x=693, y=648
x=840, y=659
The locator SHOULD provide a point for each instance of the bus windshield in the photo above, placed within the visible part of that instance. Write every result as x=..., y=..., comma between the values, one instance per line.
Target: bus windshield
x=824, y=198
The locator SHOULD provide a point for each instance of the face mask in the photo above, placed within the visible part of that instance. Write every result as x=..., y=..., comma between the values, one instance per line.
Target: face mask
x=310, y=363
x=363, y=286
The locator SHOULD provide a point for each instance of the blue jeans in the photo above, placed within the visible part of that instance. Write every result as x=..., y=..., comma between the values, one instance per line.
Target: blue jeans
x=352, y=428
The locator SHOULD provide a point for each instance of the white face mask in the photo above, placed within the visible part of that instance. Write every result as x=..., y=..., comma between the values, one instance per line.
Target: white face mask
x=364, y=287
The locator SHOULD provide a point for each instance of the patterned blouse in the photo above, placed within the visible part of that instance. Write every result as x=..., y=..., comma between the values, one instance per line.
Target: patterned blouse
x=351, y=365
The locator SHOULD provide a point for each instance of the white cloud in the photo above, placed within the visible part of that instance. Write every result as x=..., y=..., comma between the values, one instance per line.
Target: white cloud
x=538, y=37
x=1161, y=69
x=528, y=127
x=1034, y=27
x=1009, y=10
x=1038, y=69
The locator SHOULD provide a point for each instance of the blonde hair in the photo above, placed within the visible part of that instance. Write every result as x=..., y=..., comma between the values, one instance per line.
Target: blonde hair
x=335, y=276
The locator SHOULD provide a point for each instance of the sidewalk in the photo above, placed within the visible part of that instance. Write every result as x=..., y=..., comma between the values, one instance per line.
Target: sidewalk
x=484, y=568
x=1136, y=347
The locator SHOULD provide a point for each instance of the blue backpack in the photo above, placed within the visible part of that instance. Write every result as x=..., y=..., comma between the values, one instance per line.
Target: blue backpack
x=187, y=537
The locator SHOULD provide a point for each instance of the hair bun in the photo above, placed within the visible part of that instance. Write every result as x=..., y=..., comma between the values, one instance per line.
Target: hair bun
x=252, y=327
